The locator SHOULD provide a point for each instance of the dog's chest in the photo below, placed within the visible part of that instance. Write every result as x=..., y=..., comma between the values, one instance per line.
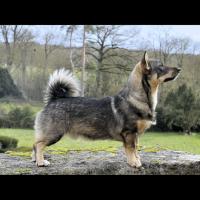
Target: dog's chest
x=142, y=125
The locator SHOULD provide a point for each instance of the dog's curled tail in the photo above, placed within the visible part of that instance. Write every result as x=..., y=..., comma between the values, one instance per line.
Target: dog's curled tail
x=61, y=84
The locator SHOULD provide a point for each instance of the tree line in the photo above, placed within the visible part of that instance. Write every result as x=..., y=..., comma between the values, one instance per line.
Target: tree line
x=103, y=63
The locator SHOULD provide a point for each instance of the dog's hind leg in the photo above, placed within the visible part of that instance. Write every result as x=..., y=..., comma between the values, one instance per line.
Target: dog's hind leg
x=39, y=146
x=41, y=142
x=33, y=154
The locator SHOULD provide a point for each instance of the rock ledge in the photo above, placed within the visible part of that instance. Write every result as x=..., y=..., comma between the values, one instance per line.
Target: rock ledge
x=104, y=163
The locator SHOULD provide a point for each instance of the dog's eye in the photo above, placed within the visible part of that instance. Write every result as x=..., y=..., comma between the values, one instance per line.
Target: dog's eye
x=160, y=69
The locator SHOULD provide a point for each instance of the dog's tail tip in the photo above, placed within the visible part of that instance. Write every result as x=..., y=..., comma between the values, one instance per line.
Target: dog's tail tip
x=62, y=84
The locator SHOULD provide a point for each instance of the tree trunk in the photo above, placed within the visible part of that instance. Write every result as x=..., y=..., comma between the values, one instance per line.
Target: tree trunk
x=8, y=55
x=83, y=65
x=105, y=84
x=188, y=131
x=98, y=82
x=23, y=67
x=71, y=53
x=45, y=67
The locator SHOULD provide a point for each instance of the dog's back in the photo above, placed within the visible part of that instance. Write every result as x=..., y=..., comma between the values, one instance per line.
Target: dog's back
x=77, y=116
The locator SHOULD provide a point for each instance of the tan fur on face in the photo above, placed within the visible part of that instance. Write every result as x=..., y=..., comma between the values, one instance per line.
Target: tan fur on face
x=154, y=84
x=162, y=78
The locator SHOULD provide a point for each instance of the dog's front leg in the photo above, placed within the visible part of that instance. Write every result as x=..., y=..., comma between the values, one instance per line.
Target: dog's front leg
x=137, y=146
x=130, y=141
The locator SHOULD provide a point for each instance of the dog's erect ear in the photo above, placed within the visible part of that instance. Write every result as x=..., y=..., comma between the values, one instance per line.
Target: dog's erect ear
x=144, y=61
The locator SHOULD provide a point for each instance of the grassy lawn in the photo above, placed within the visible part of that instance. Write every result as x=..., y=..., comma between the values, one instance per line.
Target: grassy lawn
x=26, y=137
x=148, y=142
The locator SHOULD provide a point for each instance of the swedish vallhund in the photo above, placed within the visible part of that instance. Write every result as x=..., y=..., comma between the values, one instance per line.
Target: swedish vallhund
x=122, y=117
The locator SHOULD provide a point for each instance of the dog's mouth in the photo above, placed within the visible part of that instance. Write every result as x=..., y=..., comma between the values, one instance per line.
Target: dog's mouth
x=170, y=79
x=174, y=77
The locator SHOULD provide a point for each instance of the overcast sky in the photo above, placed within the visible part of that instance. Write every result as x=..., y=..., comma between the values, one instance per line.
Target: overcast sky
x=191, y=31
x=147, y=32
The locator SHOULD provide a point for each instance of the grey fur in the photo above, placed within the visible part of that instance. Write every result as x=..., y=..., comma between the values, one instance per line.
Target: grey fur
x=61, y=84
x=107, y=118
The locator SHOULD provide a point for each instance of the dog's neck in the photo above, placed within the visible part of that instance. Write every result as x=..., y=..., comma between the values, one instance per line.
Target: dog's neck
x=139, y=93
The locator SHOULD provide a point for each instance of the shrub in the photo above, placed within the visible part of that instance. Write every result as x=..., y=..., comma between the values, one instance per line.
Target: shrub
x=161, y=125
x=19, y=117
x=7, y=143
x=180, y=110
x=4, y=122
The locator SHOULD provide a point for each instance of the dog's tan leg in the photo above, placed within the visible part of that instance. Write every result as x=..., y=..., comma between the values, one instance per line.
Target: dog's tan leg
x=136, y=145
x=39, y=154
x=33, y=154
x=131, y=151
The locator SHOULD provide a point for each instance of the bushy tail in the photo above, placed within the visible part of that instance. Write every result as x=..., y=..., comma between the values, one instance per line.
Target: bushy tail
x=61, y=84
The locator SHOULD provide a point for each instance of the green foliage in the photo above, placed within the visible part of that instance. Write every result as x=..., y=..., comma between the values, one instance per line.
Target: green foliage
x=7, y=143
x=180, y=110
x=19, y=117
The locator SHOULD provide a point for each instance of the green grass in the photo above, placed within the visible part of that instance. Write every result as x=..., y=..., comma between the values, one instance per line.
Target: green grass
x=172, y=141
x=26, y=138
x=149, y=142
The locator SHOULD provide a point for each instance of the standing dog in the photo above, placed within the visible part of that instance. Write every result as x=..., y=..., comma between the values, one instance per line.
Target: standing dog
x=122, y=117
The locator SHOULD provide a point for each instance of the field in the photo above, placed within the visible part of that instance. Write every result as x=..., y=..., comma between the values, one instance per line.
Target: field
x=148, y=142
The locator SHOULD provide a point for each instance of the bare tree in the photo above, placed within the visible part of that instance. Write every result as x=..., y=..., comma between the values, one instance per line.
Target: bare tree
x=166, y=47
x=86, y=29
x=103, y=46
x=49, y=48
x=24, y=44
x=70, y=31
x=83, y=63
x=5, y=31
x=11, y=35
x=181, y=45
x=195, y=47
x=162, y=45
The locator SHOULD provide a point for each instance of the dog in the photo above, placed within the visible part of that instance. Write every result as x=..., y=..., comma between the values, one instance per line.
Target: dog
x=122, y=117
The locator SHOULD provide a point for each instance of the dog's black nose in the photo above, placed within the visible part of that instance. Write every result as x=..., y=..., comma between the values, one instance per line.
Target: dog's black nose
x=178, y=69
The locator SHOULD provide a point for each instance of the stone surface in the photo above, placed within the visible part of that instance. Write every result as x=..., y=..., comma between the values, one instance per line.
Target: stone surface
x=103, y=163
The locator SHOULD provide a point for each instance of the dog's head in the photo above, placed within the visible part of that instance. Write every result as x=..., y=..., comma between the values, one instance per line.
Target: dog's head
x=156, y=72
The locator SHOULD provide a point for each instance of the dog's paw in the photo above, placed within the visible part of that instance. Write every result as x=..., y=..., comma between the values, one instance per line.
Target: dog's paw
x=44, y=163
x=139, y=164
x=33, y=158
x=138, y=156
x=136, y=163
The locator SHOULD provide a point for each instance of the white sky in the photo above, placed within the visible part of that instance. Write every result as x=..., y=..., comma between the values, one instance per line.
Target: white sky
x=147, y=32
x=192, y=31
